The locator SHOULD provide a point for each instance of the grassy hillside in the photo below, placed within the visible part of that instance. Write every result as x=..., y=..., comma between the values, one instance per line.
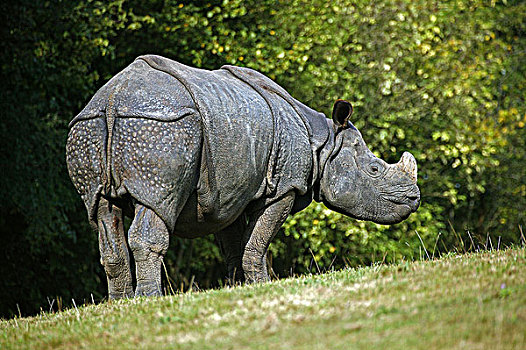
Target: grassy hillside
x=474, y=301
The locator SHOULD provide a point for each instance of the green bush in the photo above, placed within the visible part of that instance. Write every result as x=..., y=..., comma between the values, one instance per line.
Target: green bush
x=444, y=80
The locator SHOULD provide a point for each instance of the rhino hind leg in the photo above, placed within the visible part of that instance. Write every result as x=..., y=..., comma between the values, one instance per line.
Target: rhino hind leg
x=230, y=241
x=114, y=250
x=263, y=226
x=148, y=237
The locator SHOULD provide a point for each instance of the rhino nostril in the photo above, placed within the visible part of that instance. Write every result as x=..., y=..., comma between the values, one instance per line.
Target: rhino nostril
x=412, y=197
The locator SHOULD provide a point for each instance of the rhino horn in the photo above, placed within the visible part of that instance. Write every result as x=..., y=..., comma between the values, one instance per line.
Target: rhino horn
x=408, y=165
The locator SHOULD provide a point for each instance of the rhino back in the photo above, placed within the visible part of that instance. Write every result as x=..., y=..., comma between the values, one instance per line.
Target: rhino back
x=238, y=132
x=255, y=143
x=143, y=92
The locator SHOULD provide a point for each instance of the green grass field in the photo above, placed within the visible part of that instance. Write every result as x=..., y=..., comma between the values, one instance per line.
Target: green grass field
x=473, y=301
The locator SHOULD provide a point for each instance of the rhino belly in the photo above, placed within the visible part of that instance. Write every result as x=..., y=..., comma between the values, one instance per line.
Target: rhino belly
x=189, y=225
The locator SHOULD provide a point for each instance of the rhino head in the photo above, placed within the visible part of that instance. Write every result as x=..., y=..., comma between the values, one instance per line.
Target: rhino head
x=357, y=183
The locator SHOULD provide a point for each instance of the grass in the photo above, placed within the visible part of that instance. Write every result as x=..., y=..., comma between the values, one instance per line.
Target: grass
x=471, y=301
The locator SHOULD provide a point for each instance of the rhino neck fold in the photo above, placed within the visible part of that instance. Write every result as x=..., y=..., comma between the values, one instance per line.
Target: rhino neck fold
x=324, y=155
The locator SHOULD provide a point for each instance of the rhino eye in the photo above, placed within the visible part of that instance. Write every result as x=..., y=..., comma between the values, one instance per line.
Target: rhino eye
x=375, y=169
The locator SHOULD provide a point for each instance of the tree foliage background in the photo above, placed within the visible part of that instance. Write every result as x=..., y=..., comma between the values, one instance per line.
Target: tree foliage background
x=445, y=80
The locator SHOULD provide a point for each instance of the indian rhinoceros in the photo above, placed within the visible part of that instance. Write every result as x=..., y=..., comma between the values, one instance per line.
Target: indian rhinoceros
x=192, y=152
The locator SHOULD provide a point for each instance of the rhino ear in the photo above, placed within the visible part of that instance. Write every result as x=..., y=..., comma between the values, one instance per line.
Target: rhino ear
x=341, y=112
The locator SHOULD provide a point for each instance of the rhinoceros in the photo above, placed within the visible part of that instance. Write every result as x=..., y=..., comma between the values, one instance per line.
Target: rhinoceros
x=192, y=152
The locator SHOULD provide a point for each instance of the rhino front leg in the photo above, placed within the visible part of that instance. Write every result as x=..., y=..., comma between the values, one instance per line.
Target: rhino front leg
x=148, y=238
x=113, y=249
x=266, y=223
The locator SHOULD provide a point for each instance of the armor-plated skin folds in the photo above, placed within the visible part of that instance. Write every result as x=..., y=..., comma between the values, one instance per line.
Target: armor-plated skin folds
x=190, y=152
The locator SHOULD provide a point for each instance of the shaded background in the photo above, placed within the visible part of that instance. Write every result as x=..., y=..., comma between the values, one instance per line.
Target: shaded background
x=442, y=79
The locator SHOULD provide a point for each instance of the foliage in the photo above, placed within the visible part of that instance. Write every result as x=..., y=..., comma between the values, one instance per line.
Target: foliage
x=444, y=80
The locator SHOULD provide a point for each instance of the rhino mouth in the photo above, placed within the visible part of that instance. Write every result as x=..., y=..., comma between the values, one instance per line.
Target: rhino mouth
x=411, y=201
x=393, y=209
x=411, y=204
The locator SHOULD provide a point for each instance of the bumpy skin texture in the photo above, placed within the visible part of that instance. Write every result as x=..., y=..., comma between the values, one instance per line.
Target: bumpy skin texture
x=191, y=152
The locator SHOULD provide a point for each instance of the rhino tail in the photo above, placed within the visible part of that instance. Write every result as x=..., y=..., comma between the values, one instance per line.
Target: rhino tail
x=110, y=116
x=110, y=123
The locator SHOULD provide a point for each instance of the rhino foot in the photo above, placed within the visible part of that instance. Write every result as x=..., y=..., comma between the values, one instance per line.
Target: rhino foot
x=124, y=294
x=148, y=289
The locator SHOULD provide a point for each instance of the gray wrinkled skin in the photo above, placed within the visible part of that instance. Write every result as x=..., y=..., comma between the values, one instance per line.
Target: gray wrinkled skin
x=191, y=152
